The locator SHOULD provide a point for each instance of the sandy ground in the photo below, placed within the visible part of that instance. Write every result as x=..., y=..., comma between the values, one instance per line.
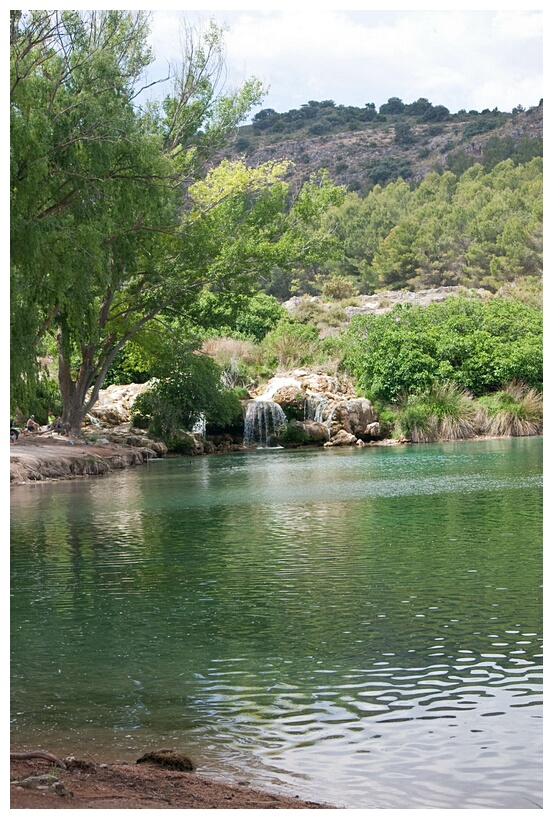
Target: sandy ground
x=39, y=784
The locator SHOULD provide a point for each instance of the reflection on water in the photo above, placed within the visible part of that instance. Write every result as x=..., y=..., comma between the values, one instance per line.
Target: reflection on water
x=358, y=627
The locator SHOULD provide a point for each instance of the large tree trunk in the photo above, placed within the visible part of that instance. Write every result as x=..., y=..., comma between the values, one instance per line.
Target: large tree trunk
x=73, y=394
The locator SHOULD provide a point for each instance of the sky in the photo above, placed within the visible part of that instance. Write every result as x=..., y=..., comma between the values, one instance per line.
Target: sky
x=463, y=59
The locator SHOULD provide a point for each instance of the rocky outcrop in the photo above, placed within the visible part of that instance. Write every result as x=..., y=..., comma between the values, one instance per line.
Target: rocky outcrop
x=385, y=300
x=354, y=416
x=41, y=458
x=321, y=409
x=114, y=405
x=343, y=438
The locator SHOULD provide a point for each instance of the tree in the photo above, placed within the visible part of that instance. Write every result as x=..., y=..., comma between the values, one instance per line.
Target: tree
x=108, y=231
x=97, y=184
x=393, y=106
x=476, y=345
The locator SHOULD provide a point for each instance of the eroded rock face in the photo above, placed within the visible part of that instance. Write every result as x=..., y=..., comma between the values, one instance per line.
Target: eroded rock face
x=355, y=416
x=114, y=405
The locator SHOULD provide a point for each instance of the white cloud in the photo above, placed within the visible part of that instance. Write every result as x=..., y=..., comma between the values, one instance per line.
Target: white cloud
x=461, y=59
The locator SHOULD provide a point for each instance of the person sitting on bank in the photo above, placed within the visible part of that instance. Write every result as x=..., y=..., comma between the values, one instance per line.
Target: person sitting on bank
x=14, y=432
x=31, y=425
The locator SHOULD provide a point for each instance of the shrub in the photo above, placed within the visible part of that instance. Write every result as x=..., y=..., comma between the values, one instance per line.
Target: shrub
x=259, y=316
x=477, y=345
x=192, y=390
x=444, y=413
x=515, y=411
x=338, y=287
x=290, y=344
x=292, y=435
x=237, y=359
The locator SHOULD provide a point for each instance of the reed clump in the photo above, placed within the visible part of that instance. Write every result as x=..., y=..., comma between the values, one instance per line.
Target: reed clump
x=514, y=411
x=443, y=413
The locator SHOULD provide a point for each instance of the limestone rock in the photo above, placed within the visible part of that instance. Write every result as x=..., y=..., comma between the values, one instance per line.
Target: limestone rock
x=353, y=416
x=373, y=430
x=342, y=438
x=114, y=405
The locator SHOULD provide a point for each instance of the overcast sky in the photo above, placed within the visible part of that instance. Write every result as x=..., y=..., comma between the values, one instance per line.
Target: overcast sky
x=457, y=58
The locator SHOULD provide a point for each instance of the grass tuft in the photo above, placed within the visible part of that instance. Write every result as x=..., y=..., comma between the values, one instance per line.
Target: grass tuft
x=515, y=411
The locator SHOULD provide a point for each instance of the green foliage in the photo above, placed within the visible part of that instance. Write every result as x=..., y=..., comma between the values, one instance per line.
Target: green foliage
x=476, y=345
x=442, y=413
x=189, y=390
x=479, y=126
x=95, y=184
x=338, y=288
x=259, y=316
x=291, y=435
x=404, y=134
x=43, y=400
x=515, y=410
x=290, y=344
x=479, y=229
x=382, y=171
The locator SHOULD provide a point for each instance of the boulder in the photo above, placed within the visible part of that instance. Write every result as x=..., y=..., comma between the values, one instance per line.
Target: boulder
x=353, y=416
x=373, y=430
x=114, y=405
x=342, y=438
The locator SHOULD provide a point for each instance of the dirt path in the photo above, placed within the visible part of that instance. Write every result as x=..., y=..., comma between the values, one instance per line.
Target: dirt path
x=37, y=784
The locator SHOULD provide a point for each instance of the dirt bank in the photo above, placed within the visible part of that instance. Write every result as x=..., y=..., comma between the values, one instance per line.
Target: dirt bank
x=46, y=456
x=37, y=783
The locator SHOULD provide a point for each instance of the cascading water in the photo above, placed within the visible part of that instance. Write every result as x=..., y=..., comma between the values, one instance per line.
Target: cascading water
x=315, y=406
x=262, y=420
x=200, y=425
x=264, y=416
x=319, y=409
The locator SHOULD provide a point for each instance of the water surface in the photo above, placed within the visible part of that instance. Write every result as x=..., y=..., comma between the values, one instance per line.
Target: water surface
x=361, y=627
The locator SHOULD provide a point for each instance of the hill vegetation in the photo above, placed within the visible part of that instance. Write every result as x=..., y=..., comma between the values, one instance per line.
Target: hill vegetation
x=361, y=147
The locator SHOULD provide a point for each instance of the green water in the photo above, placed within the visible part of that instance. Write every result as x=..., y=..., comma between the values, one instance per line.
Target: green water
x=361, y=627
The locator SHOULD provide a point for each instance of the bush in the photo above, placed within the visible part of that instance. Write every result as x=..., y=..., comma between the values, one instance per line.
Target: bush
x=292, y=435
x=514, y=411
x=476, y=345
x=444, y=413
x=290, y=344
x=338, y=287
x=259, y=316
x=192, y=391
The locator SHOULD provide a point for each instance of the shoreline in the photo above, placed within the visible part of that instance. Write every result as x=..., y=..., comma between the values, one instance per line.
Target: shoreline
x=46, y=458
x=38, y=783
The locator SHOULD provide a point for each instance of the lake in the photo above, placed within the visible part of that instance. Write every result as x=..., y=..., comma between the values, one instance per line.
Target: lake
x=361, y=627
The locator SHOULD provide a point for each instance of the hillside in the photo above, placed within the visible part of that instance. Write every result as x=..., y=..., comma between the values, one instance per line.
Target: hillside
x=359, y=153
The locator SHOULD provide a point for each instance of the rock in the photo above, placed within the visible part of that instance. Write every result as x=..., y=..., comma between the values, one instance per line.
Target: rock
x=168, y=758
x=290, y=396
x=302, y=433
x=342, y=438
x=353, y=416
x=114, y=405
x=373, y=430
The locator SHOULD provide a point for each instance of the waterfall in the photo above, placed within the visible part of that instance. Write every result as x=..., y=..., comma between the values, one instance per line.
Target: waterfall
x=315, y=406
x=200, y=425
x=264, y=416
x=262, y=420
